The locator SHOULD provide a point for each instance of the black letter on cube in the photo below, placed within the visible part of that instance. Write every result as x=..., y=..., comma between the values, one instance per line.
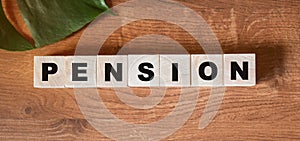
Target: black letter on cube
x=236, y=68
x=46, y=71
x=142, y=68
x=110, y=70
x=76, y=71
x=214, y=70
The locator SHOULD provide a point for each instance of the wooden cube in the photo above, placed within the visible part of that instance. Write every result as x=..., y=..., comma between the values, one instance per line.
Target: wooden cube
x=143, y=70
x=239, y=69
x=81, y=71
x=112, y=71
x=175, y=70
x=207, y=70
x=49, y=72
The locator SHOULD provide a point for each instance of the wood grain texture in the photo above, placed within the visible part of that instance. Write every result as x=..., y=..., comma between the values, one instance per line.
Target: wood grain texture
x=268, y=111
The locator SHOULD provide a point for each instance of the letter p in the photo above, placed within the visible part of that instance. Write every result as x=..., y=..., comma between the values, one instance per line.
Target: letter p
x=47, y=69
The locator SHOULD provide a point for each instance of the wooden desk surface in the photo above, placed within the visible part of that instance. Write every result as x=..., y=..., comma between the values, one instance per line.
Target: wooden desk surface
x=270, y=110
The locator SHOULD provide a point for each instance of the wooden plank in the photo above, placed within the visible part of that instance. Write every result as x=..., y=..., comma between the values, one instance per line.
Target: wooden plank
x=68, y=129
x=270, y=110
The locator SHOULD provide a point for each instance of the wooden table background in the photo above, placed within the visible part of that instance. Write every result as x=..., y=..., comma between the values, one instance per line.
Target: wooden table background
x=268, y=111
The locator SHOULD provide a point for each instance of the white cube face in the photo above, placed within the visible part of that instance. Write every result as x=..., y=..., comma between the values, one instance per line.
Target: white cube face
x=81, y=72
x=207, y=70
x=175, y=71
x=143, y=70
x=112, y=71
x=239, y=69
x=49, y=72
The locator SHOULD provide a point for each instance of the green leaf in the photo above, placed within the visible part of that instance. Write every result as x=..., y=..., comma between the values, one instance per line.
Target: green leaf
x=10, y=38
x=50, y=21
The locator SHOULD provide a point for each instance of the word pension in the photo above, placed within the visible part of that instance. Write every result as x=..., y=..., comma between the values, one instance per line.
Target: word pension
x=144, y=71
